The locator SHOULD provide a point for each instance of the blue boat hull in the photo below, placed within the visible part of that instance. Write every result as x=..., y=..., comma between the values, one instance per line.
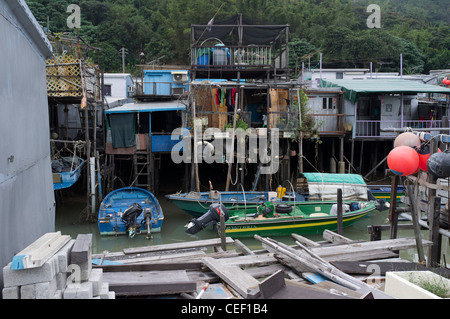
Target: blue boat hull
x=116, y=202
x=66, y=178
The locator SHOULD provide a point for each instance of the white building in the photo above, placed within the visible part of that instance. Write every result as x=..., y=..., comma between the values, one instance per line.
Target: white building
x=118, y=88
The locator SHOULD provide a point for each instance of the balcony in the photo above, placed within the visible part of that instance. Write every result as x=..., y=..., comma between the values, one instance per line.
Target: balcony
x=68, y=78
x=323, y=124
x=235, y=49
x=220, y=61
x=373, y=128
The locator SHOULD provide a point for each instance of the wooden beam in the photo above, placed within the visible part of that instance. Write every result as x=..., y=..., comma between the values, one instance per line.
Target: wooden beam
x=238, y=279
x=142, y=283
x=184, y=245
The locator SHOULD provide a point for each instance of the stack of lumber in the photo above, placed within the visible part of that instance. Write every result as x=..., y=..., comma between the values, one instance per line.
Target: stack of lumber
x=307, y=269
x=55, y=267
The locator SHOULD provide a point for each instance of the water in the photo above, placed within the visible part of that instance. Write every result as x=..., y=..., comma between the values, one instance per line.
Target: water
x=173, y=231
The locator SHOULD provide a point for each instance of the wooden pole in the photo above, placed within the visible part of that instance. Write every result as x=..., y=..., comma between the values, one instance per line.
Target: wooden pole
x=223, y=239
x=415, y=220
x=231, y=157
x=433, y=234
x=340, y=225
x=393, y=215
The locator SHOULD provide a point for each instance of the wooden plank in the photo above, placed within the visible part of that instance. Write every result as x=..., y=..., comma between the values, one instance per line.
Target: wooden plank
x=272, y=284
x=81, y=250
x=40, y=251
x=241, y=247
x=143, y=283
x=151, y=266
x=250, y=260
x=238, y=279
x=183, y=245
x=305, y=241
x=335, y=238
x=310, y=259
x=390, y=245
x=366, y=268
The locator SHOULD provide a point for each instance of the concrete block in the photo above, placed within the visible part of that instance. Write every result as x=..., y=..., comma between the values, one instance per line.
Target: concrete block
x=11, y=293
x=43, y=290
x=70, y=293
x=82, y=290
x=30, y=276
x=96, y=277
x=85, y=269
x=104, y=291
x=61, y=280
x=81, y=251
x=85, y=291
x=63, y=256
x=58, y=295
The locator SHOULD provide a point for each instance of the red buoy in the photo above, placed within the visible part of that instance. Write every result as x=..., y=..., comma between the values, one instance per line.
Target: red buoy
x=424, y=155
x=403, y=161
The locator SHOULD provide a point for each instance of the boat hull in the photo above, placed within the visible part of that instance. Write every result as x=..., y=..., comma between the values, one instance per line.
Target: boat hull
x=197, y=205
x=384, y=192
x=291, y=224
x=116, y=202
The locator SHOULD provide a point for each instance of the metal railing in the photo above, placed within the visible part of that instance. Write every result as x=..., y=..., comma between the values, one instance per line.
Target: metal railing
x=372, y=128
x=159, y=89
x=251, y=56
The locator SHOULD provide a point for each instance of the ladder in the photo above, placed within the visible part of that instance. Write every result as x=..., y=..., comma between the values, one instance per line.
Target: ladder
x=142, y=170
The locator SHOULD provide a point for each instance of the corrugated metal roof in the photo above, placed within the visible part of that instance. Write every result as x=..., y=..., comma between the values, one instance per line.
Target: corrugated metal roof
x=355, y=88
x=148, y=107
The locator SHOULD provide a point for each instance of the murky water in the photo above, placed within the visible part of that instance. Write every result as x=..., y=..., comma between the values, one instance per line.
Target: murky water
x=68, y=222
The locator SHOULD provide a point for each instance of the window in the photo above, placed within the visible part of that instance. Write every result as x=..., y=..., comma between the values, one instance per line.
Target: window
x=107, y=90
x=339, y=75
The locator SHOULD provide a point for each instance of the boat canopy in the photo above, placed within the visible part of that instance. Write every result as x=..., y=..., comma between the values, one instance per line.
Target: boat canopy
x=324, y=186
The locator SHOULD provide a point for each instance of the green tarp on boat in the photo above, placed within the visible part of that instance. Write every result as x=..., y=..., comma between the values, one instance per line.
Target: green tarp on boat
x=353, y=89
x=323, y=186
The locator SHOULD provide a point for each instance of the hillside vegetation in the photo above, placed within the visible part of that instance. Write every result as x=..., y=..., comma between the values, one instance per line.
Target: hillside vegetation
x=161, y=29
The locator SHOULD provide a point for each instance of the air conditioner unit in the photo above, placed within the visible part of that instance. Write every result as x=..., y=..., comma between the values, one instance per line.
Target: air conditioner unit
x=180, y=77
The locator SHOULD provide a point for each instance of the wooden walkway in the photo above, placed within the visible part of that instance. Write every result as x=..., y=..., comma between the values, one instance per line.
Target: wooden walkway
x=335, y=268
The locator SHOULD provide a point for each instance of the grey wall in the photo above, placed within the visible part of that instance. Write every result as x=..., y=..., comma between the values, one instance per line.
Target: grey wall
x=27, y=208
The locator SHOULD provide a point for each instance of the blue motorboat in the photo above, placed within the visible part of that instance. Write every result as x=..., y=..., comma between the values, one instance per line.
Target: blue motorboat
x=131, y=211
x=66, y=171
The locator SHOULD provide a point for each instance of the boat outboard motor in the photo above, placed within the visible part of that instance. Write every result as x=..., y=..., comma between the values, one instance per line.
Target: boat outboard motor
x=129, y=217
x=209, y=218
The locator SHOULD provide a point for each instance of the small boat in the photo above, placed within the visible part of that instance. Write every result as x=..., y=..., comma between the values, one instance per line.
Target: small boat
x=277, y=219
x=310, y=187
x=196, y=204
x=383, y=192
x=130, y=210
x=66, y=171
